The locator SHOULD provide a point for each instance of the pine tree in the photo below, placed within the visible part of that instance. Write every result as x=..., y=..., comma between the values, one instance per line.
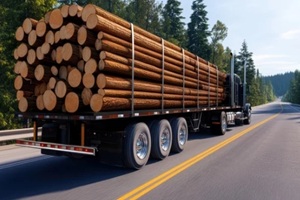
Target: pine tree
x=218, y=34
x=198, y=32
x=173, y=27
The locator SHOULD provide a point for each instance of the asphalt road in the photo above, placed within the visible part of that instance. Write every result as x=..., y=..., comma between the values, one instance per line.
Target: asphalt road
x=257, y=161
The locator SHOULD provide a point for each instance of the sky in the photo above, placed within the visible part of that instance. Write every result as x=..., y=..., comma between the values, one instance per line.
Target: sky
x=271, y=29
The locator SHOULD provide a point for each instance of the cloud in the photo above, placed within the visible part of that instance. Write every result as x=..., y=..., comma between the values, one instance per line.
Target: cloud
x=291, y=34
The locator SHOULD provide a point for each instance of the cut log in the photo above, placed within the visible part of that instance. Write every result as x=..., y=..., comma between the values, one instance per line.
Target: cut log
x=86, y=37
x=57, y=37
x=65, y=11
x=46, y=48
x=49, y=38
x=41, y=29
x=20, y=34
x=71, y=32
x=40, y=103
x=33, y=40
x=80, y=65
x=26, y=71
x=54, y=70
x=88, y=80
x=71, y=53
x=26, y=104
x=21, y=93
x=56, y=19
x=29, y=24
x=31, y=57
x=22, y=50
x=59, y=55
x=52, y=83
x=74, y=78
x=16, y=56
x=86, y=96
x=74, y=9
x=89, y=52
x=91, y=66
x=61, y=89
x=72, y=102
x=50, y=101
x=47, y=17
x=17, y=67
x=42, y=72
x=63, y=72
x=62, y=32
x=22, y=84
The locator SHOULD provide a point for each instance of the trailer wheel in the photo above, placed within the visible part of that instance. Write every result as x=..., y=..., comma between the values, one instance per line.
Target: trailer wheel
x=248, y=119
x=137, y=145
x=161, y=137
x=180, y=134
x=220, y=126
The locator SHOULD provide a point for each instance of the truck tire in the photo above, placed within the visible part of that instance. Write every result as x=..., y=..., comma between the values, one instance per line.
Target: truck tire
x=137, y=145
x=161, y=137
x=220, y=126
x=180, y=134
x=248, y=119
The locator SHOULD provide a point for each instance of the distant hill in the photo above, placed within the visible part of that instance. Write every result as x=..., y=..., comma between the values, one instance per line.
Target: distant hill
x=280, y=82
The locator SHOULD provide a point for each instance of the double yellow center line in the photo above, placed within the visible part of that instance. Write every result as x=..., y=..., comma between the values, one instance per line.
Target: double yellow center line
x=155, y=182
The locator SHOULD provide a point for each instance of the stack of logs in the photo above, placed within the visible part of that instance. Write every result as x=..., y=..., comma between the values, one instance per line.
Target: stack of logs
x=80, y=59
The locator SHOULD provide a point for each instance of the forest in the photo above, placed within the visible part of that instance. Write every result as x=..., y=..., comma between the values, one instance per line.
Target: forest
x=164, y=20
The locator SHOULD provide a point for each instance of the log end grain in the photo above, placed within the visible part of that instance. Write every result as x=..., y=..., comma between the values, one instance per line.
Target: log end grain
x=96, y=102
x=56, y=19
x=81, y=35
x=92, y=21
x=41, y=28
x=64, y=11
x=18, y=82
x=87, y=11
x=88, y=80
x=31, y=56
x=39, y=72
x=74, y=9
x=91, y=66
x=29, y=24
x=74, y=78
x=61, y=89
x=101, y=81
x=22, y=50
x=40, y=103
x=72, y=102
x=23, y=104
x=49, y=100
x=86, y=96
x=20, y=34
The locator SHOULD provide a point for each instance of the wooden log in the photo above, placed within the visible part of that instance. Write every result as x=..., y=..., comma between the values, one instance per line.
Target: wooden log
x=99, y=103
x=112, y=82
x=22, y=50
x=64, y=10
x=71, y=32
x=74, y=9
x=20, y=34
x=47, y=17
x=89, y=52
x=91, y=66
x=99, y=23
x=42, y=72
x=39, y=53
x=40, y=103
x=62, y=33
x=53, y=55
x=57, y=37
x=52, y=83
x=21, y=84
x=17, y=67
x=74, y=78
x=49, y=38
x=59, y=55
x=16, y=56
x=54, y=70
x=86, y=96
x=21, y=93
x=63, y=72
x=88, y=80
x=40, y=88
x=56, y=19
x=71, y=53
x=61, y=89
x=33, y=40
x=31, y=57
x=72, y=102
x=50, y=101
x=80, y=65
x=29, y=24
x=41, y=29
x=26, y=104
x=26, y=71
x=86, y=37
x=46, y=48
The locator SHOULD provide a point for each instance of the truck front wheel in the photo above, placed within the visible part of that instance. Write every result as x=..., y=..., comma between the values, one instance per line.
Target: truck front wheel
x=137, y=145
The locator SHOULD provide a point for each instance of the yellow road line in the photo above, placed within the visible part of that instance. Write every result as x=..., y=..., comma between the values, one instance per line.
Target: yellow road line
x=155, y=182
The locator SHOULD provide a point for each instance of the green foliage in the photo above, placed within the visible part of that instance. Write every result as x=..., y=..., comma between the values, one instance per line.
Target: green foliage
x=293, y=94
x=146, y=14
x=173, y=27
x=280, y=82
x=198, y=32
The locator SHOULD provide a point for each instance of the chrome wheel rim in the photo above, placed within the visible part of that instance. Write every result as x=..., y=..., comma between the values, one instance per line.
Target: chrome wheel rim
x=142, y=145
x=182, y=136
x=165, y=139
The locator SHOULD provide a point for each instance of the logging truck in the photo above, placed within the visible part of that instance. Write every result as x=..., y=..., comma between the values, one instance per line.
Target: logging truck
x=99, y=85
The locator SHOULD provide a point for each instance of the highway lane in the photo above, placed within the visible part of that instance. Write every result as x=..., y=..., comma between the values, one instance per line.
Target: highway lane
x=262, y=164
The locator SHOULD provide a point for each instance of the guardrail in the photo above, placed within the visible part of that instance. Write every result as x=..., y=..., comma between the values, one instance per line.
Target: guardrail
x=9, y=135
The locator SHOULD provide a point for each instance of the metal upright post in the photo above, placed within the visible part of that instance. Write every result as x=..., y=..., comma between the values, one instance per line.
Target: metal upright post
x=232, y=79
x=245, y=83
